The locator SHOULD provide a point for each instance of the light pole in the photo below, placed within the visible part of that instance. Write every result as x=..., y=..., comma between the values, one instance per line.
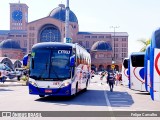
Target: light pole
x=113, y=56
x=67, y=31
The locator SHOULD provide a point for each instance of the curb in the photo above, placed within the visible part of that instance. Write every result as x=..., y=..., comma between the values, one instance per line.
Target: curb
x=11, y=83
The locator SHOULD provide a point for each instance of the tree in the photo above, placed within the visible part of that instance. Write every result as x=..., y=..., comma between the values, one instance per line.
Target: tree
x=145, y=43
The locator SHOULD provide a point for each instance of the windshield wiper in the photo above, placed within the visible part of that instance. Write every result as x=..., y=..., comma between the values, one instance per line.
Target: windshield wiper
x=43, y=71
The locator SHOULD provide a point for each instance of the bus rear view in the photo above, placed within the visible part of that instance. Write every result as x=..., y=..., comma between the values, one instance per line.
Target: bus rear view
x=125, y=80
x=137, y=71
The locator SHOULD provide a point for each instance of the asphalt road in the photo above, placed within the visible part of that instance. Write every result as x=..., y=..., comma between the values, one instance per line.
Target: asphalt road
x=97, y=98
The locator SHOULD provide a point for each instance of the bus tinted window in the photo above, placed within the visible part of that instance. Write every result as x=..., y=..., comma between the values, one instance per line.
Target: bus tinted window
x=137, y=60
x=125, y=63
x=157, y=38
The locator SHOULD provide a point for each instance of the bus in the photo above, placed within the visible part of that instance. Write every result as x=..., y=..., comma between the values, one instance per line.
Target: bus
x=129, y=84
x=58, y=69
x=155, y=65
x=137, y=71
x=147, y=68
x=125, y=81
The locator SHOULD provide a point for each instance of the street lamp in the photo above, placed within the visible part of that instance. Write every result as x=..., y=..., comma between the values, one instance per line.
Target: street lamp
x=113, y=56
x=113, y=61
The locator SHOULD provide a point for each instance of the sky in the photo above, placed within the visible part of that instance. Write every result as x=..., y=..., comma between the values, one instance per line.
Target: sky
x=139, y=18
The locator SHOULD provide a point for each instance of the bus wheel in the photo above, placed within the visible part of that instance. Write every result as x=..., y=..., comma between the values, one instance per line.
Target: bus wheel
x=85, y=89
x=76, y=89
x=41, y=95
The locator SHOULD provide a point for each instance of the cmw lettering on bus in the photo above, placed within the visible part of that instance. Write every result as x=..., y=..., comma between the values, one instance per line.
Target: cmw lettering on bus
x=63, y=52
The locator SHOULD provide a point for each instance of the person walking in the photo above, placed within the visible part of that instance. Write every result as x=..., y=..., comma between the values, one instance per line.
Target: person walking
x=117, y=78
x=102, y=76
x=120, y=79
x=111, y=81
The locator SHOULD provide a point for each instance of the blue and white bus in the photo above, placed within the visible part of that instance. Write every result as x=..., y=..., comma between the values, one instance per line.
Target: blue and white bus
x=129, y=70
x=137, y=71
x=58, y=69
x=147, y=68
x=125, y=80
x=155, y=65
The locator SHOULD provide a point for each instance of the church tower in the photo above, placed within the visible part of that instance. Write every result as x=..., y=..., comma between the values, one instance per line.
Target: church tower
x=18, y=16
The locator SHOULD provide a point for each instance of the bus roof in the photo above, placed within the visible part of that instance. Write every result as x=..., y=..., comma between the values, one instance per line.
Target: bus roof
x=57, y=44
x=52, y=44
x=155, y=39
x=137, y=53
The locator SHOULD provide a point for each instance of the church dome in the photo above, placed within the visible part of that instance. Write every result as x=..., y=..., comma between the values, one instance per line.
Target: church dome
x=101, y=46
x=9, y=44
x=60, y=14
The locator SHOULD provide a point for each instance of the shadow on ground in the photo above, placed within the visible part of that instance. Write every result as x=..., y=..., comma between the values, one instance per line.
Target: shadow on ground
x=1, y=90
x=89, y=98
x=120, y=99
x=143, y=93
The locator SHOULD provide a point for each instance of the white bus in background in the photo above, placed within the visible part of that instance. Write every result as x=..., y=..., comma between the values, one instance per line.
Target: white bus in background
x=155, y=66
x=137, y=71
x=147, y=69
x=125, y=80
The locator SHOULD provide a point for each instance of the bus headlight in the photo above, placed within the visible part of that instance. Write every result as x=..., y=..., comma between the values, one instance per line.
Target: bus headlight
x=65, y=84
x=33, y=83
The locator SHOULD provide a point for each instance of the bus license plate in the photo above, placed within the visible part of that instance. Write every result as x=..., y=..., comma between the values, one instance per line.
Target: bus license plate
x=48, y=91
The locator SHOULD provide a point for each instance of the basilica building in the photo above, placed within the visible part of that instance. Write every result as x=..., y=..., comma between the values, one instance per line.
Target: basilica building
x=104, y=47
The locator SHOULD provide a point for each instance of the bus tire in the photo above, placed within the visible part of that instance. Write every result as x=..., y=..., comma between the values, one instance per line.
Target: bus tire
x=85, y=89
x=41, y=95
x=76, y=89
x=86, y=85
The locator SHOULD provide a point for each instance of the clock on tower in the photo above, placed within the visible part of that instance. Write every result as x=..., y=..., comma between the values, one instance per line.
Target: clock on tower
x=18, y=18
x=17, y=15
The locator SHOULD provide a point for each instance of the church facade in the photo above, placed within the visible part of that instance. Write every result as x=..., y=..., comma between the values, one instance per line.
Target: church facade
x=103, y=46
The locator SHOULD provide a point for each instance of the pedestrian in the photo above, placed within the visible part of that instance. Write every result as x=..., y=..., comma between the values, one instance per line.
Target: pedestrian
x=120, y=79
x=102, y=76
x=117, y=79
x=92, y=74
x=111, y=81
x=2, y=77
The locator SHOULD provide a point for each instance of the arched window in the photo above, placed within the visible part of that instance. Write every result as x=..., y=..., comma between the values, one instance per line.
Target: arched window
x=49, y=33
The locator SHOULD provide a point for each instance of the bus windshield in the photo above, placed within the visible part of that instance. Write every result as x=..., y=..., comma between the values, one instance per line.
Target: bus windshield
x=47, y=64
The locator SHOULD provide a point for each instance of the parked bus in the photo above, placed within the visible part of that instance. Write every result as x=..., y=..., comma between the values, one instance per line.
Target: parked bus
x=147, y=68
x=58, y=69
x=129, y=84
x=155, y=65
x=137, y=71
x=125, y=72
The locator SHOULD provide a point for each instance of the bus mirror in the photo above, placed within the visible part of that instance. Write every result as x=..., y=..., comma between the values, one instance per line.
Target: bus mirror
x=32, y=63
x=72, y=60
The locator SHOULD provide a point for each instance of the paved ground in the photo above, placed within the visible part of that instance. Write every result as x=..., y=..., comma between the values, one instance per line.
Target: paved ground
x=15, y=97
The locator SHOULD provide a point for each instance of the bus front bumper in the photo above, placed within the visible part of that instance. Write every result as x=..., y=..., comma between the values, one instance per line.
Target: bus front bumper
x=64, y=91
